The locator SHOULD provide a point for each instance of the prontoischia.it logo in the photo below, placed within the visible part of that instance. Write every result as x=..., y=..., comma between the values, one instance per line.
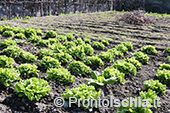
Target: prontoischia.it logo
x=97, y=103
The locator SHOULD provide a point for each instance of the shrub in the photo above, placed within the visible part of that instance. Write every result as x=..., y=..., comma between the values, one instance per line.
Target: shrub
x=82, y=91
x=135, y=62
x=69, y=45
x=149, y=49
x=34, y=39
x=98, y=45
x=128, y=45
x=7, y=42
x=141, y=57
x=164, y=76
x=49, y=62
x=77, y=52
x=107, y=56
x=70, y=36
x=79, y=68
x=20, y=36
x=8, y=33
x=43, y=43
x=155, y=85
x=168, y=58
x=122, y=48
x=86, y=40
x=78, y=42
x=165, y=66
x=88, y=50
x=17, y=30
x=39, y=32
x=57, y=48
x=63, y=57
x=51, y=34
x=60, y=75
x=12, y=51
x=8, y=76
x=32, y=88
x=61, y=38
x=125, y=67
x=6, y=62
x=105, y=42
x=45, y=52
x=27, y=57
x=30, y=32
x=94, y=61
x=28, y=70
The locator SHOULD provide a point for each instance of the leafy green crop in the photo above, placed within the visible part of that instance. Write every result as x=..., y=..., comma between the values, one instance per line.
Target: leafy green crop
x=51, y=34
x=7, y=28
x=61, y=38
x=167, y=50
x=7, y=42
x=125, y=67
x=17, y=30
x=149, y=49
x=27, y=57
x=115, y=52
x=1, y=29
x=8, y=33
x=108, y=56
x=43, y=43
x=88, y=49
x=63, y=57
x=122, y=48
x=39, y=32
x=45, y=52
x=79, y=68
x=141, y=57
x=79, y=41
x=128, y=45
x=165, y=66
x=82, y=91
x=105, y=42
x=98, y=45
x=69, y=45
x=6, y=62
x=155, y=85
x=135, y=62
x=57, y=48
x=94, y=61
x=168, y=58
x=164, y=75
x=77, y=52
x=70, y=36
x=28, y=70
x=32, y=88
x=86, y=40
x=12, y=51
x=20, y=36
x=8, y=76
x=49, y=62
x=60, y=75
x=34, y=39
x=30, y=32
x=53, y=40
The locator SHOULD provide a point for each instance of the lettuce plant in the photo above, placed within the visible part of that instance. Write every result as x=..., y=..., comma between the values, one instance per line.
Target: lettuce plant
x=43, y=43
x=57, y=48
x=27, y=57
x=122, y=48
x=149, y=49
x=61, y=38
x=165, y=66
x=88, y=49
x=141, y=57
x=79, y=68
x=12, y=51
x=86, y=40
x=20, y=36
x=115, y=52
x=1, y=29
x=128, y=45
x=53, y=41
x=39, y=32
x=28, y=70
x=167, y=50
x=69, y=45
x=94, y=61
x=125, y=67
x=79, y=41
x=7, y=28
x=70, y=36
x=45, y=52
x=107, y=56
x=135, y=62
x=77, y=52
x=82, y=91
x=51, y=34
x=17, y=30
x=168, y=58
x=164, y=76
x=7, y=42
x=30, y=32
x=34, y=39
x=98, y=45
x=6, y=62
x=63, y=57
x=32, y=88
x=49, y=62
x=105, y=42
x=8, y=76
x=60, y=75
x=8, y=33
x=155, y=85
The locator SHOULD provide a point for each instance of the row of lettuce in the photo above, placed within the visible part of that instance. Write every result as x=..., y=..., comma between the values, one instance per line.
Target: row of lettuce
x=68, y=49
